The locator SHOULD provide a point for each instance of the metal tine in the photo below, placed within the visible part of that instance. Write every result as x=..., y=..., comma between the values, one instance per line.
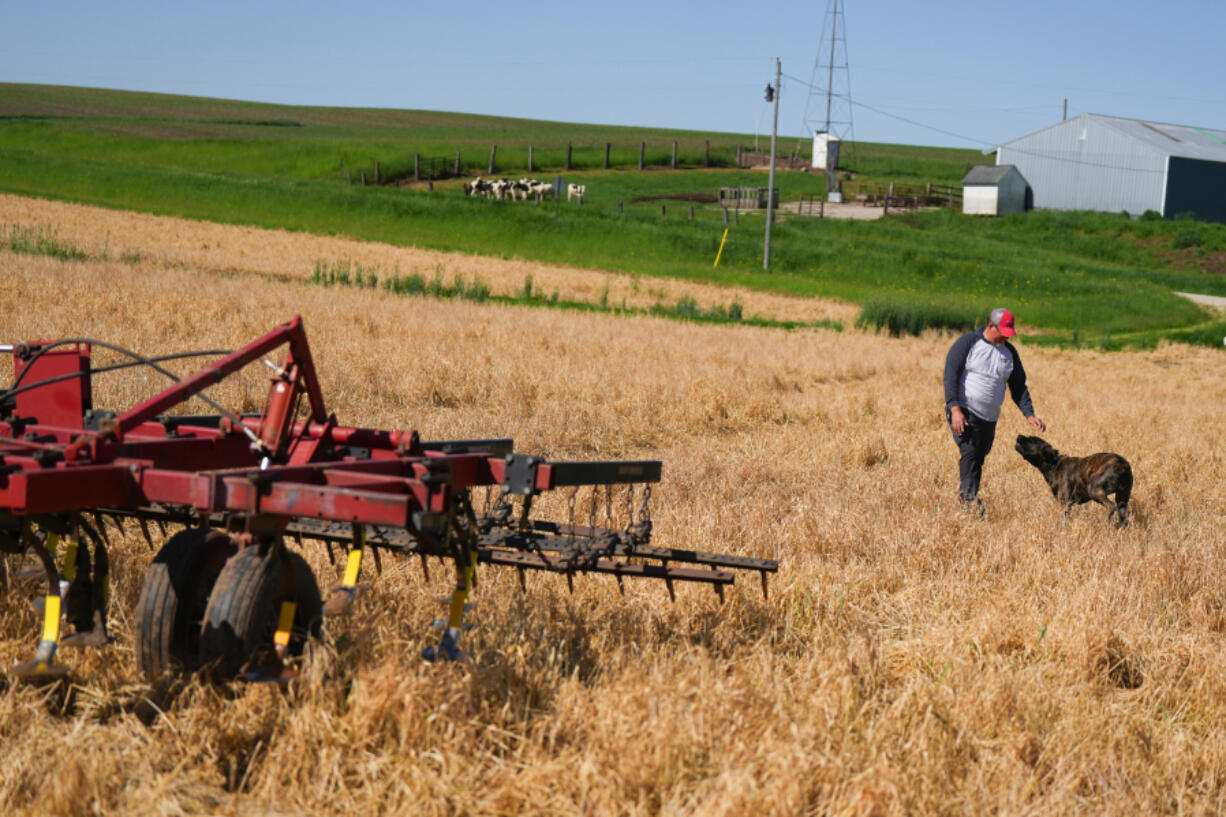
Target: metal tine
x=95, y=582
x=101, y=526
x=672, y=592
x=331, y=553
x=144, y=528
x=425, y=566
x=621, y=586
x=378, y=562
x=719, y=591
x=765, y=595
x=117, y=521
x=161, y=527
x=523, y=580
x=298, y=539
x=570, y=581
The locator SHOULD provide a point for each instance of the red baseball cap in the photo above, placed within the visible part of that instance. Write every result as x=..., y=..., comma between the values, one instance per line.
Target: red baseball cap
x=1005, y=324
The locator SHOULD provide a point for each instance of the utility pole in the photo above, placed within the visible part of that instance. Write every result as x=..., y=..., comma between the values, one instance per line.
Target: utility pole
x=770, y=188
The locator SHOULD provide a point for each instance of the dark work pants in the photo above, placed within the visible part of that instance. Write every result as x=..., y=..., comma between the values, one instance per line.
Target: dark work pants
x=973, y=445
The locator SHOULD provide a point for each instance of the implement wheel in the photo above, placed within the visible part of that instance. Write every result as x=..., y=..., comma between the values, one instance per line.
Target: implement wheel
x=173, y=600
x=241, y=620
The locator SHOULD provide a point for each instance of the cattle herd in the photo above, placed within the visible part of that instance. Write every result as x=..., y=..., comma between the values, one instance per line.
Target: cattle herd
x=521, y=190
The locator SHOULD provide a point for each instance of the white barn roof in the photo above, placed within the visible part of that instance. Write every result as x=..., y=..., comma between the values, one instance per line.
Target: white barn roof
x=1112, y=164
x=1186, y=141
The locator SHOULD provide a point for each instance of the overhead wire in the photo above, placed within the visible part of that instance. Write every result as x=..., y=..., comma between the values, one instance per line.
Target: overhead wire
x=995, y=145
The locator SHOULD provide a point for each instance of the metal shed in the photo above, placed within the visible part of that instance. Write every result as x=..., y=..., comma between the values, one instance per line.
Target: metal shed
x=994, y=191
x=1096, y=162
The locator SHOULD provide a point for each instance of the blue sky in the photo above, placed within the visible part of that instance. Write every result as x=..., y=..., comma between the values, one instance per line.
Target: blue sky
x=961, y=74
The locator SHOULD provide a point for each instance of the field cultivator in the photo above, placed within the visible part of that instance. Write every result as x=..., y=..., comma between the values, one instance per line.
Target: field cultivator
x=227, y=593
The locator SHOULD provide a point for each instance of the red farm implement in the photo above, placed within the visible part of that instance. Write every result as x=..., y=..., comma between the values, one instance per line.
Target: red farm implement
x=227, y=593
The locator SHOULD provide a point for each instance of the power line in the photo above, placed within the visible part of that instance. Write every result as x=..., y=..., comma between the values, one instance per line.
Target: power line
x=902, y=118
x=996, y=145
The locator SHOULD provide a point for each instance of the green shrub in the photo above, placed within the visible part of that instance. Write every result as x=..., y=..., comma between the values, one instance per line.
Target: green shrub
x=687, y=307
x=42, y=241
x=1187, y=236
x=908, y=317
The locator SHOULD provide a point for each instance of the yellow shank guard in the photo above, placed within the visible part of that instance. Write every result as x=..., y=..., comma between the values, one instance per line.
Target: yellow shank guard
x=51, y=618
x=70, y=558
x=455, y=614
x=354, y=565
x=285, y=623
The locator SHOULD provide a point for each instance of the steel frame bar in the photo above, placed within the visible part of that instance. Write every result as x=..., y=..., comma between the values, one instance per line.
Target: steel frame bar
x=314, y=477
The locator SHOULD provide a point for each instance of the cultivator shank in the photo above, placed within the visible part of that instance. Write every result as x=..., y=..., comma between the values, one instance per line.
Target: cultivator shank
x=242, y=487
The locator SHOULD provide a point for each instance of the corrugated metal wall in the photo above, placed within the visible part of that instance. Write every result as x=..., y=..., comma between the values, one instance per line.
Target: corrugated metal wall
x=1084, y=164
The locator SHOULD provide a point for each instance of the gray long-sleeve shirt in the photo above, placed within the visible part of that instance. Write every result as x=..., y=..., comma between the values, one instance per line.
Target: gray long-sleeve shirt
x=976, y=373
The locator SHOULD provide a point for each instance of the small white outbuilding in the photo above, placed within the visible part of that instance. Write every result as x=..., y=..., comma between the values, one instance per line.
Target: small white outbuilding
x=825, y=151
x=994, y=190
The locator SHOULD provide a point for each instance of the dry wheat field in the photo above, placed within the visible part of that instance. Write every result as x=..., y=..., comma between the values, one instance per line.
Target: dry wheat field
x=908, y=661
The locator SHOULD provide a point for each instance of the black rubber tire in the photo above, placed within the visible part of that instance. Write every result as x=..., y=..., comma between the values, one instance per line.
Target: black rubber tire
x=173, y=600
x=241, y=618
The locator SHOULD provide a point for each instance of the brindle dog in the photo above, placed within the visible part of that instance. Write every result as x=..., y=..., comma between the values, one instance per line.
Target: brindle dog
x=1075, y=480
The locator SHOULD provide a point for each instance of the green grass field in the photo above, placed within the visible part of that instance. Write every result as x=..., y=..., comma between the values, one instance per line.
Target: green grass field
x=1080, y=277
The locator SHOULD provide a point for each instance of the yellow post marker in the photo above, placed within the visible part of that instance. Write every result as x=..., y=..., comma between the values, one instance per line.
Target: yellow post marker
x=721, y=248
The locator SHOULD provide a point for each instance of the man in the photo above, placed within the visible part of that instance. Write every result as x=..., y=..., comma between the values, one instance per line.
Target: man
x=977, y=368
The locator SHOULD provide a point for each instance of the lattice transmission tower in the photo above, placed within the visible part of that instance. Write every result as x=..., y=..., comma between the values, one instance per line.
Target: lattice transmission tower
x=828, y=107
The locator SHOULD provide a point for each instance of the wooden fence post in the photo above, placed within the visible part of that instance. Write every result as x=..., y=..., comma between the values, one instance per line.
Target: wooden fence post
x=493, y=152
x=691, y=212
x=673, y=161
x=738, y=155
x=642, y=153
x=724, y=210
x=607, y=146
x=416, y=167
x=569, y=149
x=619, y=207
x=457, y=163
x=376, y=171
x=706, y=155
x=363, y=178
x=661, y=211
x=530, y=160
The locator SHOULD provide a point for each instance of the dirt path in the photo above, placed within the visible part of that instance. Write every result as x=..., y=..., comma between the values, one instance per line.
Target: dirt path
x=1215, y=301
x=846, y=210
